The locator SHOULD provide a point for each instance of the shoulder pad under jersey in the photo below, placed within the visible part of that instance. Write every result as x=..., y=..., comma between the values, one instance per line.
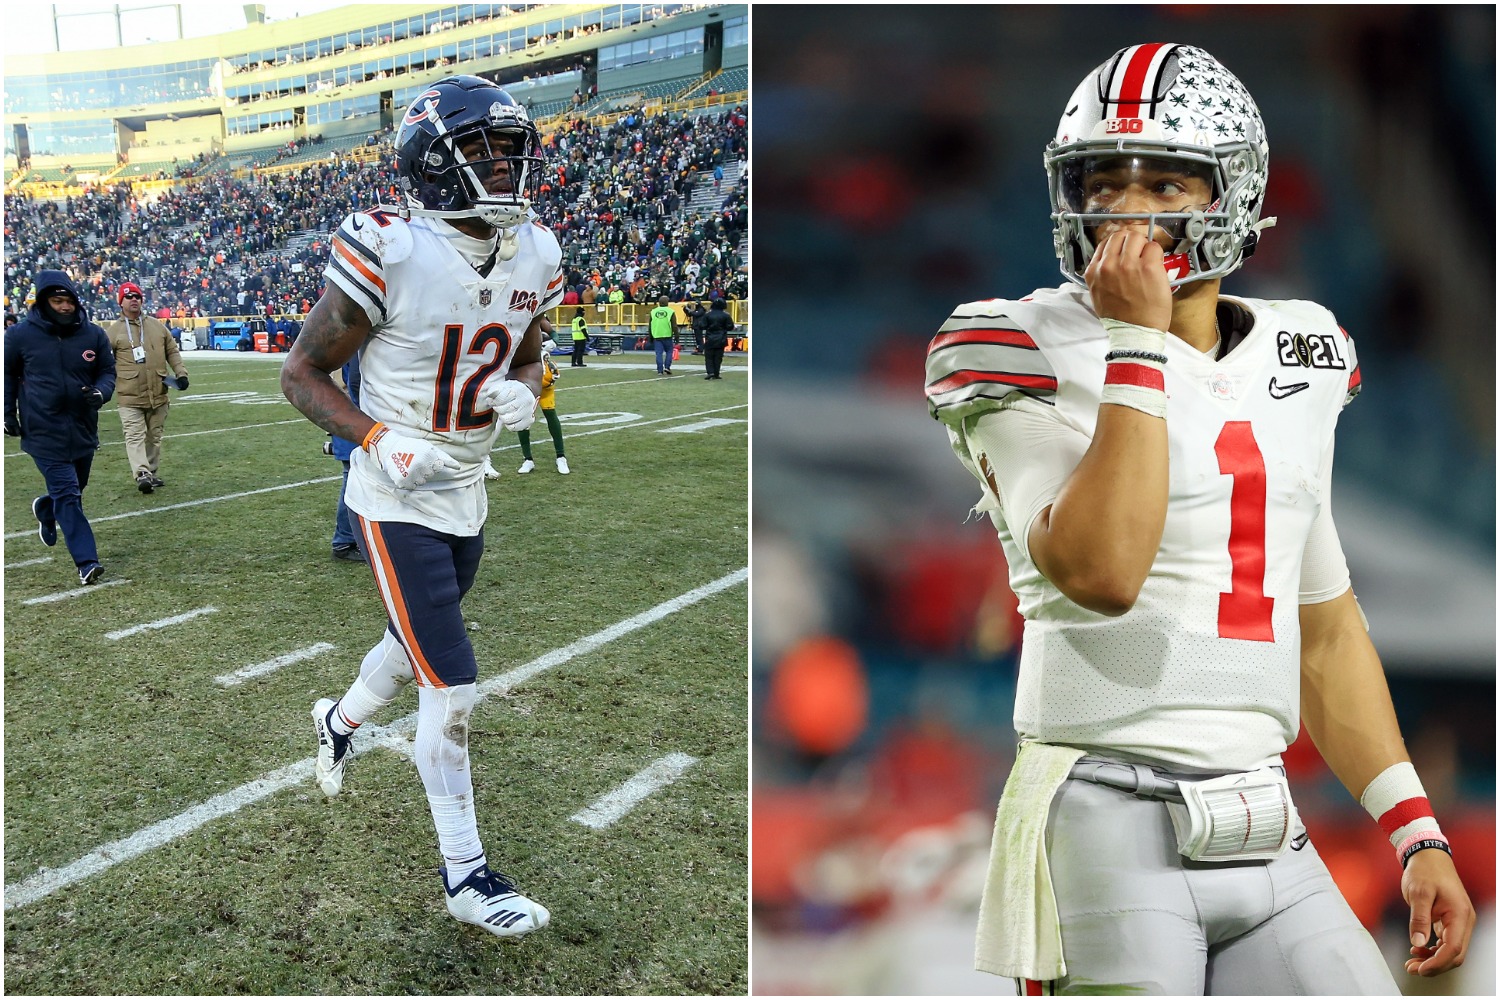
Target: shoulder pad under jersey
x=1318, y=321
x=380, y=231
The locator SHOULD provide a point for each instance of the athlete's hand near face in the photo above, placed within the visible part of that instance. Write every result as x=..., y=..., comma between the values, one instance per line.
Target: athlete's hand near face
x=1127, y=280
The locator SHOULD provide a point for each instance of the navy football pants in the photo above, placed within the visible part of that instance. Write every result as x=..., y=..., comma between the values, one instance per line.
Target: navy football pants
x=422, y=575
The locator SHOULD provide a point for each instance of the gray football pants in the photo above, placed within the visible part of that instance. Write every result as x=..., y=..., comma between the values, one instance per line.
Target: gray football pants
x=1137, y=917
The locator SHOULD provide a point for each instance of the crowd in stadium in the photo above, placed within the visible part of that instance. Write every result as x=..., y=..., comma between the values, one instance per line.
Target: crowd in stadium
x=218, y=246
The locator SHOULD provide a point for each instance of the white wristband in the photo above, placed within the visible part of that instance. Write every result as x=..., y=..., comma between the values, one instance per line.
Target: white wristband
x=1135, y=368
x=1398, y=802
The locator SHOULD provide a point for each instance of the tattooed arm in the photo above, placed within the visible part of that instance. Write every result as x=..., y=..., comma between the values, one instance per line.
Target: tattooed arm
x=335, y=330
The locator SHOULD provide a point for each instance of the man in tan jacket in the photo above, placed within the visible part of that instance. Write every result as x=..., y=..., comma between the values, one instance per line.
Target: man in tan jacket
x=145, y=352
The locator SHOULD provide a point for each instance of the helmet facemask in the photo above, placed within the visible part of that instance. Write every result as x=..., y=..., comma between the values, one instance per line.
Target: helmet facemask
x=503, y=157
x=1201, y=236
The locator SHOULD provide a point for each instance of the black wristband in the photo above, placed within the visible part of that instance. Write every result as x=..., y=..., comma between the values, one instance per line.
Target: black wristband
x=1128, y=355
x=1422, y=845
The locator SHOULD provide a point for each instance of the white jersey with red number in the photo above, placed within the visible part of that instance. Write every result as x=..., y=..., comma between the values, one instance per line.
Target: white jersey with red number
x=440, y=328
x=1203, y=672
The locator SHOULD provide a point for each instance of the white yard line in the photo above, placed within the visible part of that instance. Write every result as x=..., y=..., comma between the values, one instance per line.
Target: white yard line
x=638, y=423
x=610, y=808
x=298, y=420
x=49, y=880
x=64, y=595
x=29, y=562
x=195, y=503
x=701, y=425
x=148, y=626
x=243, y=674
x=339, y=477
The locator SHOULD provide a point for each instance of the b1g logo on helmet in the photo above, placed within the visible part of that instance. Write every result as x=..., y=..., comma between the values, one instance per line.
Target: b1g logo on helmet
x=1124, y=126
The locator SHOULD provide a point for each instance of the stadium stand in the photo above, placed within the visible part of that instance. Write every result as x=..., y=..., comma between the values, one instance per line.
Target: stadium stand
x=241, y=228
x=629, y=97
x=729, y=81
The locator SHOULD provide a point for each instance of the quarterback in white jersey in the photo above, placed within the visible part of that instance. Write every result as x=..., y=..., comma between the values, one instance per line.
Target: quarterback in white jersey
x=1157, y=460
x=442, y=297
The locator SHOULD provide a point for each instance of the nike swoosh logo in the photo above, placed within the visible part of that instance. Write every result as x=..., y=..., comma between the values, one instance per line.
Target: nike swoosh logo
x=1283, y=391
x=355, y=224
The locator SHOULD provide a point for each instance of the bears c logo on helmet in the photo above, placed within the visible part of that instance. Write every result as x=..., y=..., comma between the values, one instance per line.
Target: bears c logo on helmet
x=419, y=109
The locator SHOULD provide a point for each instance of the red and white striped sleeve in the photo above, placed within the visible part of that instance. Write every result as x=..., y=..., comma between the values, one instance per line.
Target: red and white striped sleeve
x=980, y=357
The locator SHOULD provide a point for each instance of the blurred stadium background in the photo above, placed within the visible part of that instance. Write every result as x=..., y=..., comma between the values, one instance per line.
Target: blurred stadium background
x=900, y=173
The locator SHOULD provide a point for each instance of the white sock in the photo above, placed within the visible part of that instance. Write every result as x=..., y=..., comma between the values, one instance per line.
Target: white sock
x=443, y=763
x=458, y=835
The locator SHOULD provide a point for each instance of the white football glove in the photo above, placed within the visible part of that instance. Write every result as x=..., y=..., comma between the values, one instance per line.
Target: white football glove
x=408, y=461
x=512, y=402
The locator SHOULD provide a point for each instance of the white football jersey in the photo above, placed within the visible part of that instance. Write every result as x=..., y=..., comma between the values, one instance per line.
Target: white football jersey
x=439, y=330
x=1203, y=672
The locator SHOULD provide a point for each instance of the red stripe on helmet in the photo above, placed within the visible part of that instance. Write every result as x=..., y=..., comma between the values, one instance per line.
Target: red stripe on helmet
x=1133, y=86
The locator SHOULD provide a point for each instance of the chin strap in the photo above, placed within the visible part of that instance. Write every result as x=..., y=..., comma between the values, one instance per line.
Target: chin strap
x=509, y=243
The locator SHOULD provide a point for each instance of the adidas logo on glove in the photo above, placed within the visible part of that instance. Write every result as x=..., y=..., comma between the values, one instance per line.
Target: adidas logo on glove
x=413, y=464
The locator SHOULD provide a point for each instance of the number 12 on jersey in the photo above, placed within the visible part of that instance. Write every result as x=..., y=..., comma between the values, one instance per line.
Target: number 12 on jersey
x=1245, y=611
x=467, y=419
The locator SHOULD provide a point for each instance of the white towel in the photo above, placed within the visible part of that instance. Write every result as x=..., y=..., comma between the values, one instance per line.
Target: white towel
x=1019, y=933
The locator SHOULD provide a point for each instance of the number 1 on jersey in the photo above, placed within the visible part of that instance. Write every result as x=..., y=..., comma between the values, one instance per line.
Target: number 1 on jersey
x=1245, y=612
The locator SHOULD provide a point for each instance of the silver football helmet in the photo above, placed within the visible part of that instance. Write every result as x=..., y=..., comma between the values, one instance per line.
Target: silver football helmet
x=1172, y=104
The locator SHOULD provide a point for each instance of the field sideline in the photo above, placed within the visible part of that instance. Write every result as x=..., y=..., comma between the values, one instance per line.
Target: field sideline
x=163, y=834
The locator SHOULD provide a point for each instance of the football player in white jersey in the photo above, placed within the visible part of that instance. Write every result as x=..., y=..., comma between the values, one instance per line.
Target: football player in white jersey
x=442, y=298
x=1157, y=457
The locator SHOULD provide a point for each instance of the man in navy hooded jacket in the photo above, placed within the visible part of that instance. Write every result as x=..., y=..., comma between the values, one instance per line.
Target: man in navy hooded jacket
x=59, y=370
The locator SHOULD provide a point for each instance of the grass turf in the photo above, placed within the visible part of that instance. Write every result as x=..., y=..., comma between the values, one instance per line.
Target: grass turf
x=296, y=893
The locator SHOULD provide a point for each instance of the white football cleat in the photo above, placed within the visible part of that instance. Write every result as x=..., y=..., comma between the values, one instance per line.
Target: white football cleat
x=562, y=465
x=526, y=467
x=490, y=472
x=489, y=899
x=334, y=750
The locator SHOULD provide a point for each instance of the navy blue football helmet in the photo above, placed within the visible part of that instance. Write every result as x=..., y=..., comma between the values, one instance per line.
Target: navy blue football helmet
x=466, y=149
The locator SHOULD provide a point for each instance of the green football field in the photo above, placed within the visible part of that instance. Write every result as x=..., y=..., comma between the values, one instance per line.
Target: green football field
x=163, y=834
